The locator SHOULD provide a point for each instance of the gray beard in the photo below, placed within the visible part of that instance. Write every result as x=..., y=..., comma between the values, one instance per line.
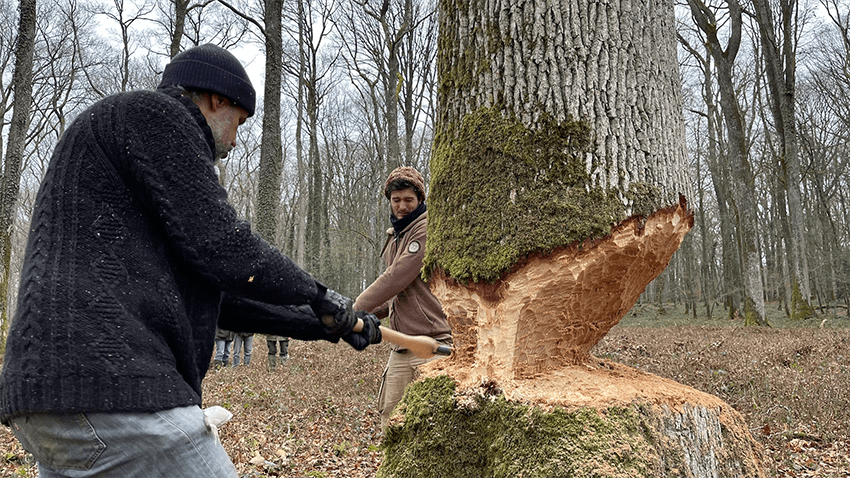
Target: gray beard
x=221, y=148
x=221, y=151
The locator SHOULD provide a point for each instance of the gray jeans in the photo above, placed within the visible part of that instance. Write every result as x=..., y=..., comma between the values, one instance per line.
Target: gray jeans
x=240, y=341
x=173, y=443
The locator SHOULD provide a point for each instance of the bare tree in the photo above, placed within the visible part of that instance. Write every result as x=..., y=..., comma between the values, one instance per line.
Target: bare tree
x=22, y=85
x=271, y=151
x=125, y=16
x=742, y=178
x=779, y=50
x=389, y=48
x=351, y=199
x=241, y=173
x=718, y=169
x=824, y=122
x=417, y=55
x=204, y=21
x=315, y=75
x=181, y=9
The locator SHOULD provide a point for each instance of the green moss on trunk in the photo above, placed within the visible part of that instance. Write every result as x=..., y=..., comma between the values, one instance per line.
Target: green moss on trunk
x=490, y=436
x=501, y=190
x=800, y=307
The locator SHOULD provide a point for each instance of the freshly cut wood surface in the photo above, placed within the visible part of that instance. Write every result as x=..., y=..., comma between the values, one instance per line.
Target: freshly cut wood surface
x=551, y=310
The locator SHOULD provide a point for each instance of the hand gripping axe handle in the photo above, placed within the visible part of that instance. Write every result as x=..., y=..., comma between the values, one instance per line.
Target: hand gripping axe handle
x=421, y=346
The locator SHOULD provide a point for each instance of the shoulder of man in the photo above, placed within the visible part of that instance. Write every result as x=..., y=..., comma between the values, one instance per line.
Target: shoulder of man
x=140, y=105
x=419, y=225
x=416, y=235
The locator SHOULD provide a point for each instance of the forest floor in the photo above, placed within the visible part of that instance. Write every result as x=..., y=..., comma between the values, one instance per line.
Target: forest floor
x=315, y=416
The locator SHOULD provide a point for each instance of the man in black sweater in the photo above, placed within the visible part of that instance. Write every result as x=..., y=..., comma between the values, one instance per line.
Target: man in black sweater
x=134, y=257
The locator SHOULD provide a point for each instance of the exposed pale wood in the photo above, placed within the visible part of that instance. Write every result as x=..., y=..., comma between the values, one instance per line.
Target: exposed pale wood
x=550, y=311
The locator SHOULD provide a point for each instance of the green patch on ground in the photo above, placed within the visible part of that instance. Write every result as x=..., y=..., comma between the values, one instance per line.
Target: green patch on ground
x=662, y=315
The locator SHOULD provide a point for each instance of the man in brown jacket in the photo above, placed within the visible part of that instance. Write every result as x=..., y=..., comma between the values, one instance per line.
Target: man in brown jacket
x=400, y=293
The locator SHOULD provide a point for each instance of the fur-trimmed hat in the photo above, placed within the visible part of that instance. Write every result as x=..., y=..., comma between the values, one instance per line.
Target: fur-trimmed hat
x=213, y=69
x=402, y=175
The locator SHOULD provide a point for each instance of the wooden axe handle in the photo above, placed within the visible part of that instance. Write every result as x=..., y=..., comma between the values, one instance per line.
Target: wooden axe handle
x=421, y=346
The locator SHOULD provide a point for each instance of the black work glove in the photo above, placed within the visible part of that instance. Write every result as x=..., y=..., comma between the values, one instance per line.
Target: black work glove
x=370, y=334
x=335, y=312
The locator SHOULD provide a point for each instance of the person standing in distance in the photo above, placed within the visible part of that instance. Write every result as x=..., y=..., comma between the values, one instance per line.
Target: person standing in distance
x=242, y=341
x=134, y=257
x=400, y=293
x=223, y=342
x=278, y=350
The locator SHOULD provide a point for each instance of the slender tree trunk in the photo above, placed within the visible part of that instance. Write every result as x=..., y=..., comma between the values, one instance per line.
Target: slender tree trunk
x=831, y=240
x=407, y=85
x=780, y=62
x=783, y=243
x=391, y=100
x=317, y=227
x=180, y=10
x=705, y=289
x=271, y=150
x=315, y=205
x=303, y=186
x=719, y=181
x=742, y=176
x=11, y=181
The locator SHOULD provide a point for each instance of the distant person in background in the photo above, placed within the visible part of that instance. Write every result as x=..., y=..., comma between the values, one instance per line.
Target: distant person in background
x=400, y=293
x=242, y=341
x=223, y=341
x=278, y=350
x=134, y=257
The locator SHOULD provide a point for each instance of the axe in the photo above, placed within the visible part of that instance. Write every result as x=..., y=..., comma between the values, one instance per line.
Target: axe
x=421, y=346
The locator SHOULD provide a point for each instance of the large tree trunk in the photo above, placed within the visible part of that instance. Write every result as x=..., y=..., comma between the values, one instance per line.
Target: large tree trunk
x=522, y=396
x=557, y=120
x=578, y=99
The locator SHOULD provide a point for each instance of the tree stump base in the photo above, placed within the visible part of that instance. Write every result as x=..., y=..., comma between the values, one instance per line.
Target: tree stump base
x=606, y=421
x=522, y=396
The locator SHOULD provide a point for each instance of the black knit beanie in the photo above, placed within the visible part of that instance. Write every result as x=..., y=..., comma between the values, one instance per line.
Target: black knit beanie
x=213, y=69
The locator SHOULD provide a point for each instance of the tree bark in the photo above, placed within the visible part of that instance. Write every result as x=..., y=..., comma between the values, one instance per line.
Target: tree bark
x=181, y=8
x=271, y=150
x=526, y=86
x=303, y=199
x=11, y=181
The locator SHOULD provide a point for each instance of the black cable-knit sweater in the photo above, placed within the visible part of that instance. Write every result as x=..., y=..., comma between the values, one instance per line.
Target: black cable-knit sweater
x=131, y=249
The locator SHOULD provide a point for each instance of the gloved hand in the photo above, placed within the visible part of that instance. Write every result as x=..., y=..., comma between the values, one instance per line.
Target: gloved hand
x=369, y=334
x=335, y=312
